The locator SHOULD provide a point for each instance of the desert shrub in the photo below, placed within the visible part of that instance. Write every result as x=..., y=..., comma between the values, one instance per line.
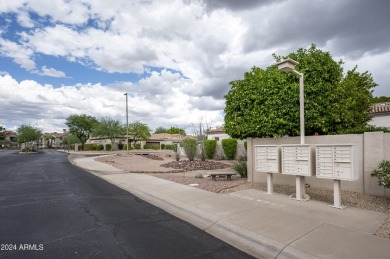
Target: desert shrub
x=151, y=146
x=190, y=146
x=383, y=173
x=99, y=147
x=210, y=147
x=125, y=147
x=89, y=147
x=162, y=146
x=199, y=176
x=137, y=146
x=240, y=167
x=108, y=147
x=229, y=148
x=120, y=146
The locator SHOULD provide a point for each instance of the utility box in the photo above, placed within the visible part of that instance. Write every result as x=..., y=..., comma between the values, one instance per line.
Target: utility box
x=267, y=159
x=298, y=160
x=338, y=162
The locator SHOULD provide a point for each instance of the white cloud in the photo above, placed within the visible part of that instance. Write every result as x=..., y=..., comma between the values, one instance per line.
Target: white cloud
x=52, y=72
x=210, y=43
x=32, y=103
x=20, y=54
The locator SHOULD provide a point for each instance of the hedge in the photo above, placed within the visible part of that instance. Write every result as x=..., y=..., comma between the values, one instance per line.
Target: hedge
x=229, y=148
x=210, y=146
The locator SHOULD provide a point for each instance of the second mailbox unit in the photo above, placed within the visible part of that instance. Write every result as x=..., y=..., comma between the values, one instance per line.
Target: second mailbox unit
x=297, y=160
x=338, y=162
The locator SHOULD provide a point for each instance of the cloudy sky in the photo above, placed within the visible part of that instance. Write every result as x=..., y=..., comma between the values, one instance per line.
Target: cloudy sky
x=175, y=58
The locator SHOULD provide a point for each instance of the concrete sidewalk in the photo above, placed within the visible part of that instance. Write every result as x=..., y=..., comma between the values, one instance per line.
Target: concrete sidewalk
x=266, y=226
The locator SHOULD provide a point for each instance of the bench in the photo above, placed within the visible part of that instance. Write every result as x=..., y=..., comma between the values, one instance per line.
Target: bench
x=228, y=176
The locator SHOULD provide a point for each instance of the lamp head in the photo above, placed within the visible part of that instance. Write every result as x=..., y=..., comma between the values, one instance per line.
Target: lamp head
x=287, y=65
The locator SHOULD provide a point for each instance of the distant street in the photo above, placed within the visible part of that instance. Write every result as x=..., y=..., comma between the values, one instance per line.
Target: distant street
x=52, y=209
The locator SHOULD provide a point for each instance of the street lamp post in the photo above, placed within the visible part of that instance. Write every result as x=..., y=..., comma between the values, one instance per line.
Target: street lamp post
x=288, y=65
x=127, y=125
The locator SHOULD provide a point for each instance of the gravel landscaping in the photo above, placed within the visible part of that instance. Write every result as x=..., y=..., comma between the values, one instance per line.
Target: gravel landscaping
x=164, y=166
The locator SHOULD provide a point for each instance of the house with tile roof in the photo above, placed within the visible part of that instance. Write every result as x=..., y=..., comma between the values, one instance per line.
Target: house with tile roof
x=380, y=115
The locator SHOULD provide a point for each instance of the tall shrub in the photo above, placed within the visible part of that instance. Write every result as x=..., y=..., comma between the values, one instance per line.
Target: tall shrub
x=229, y=148
x=108, y=147
x=190, y=146
x=210, y=146
x=383, y=173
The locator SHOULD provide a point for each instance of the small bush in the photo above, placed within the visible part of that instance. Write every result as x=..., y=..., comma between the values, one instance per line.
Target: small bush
x=120, y=146
x=108, y=147
x=229, y=148
x=125, y=147
x=199, y=176
x=137, y=146
x=241, y=167
x=190, y=146
x=151, y=146
x=210, y=147
x=383, y=173
x=162, y=146
x=99, y=147
x=89, y=147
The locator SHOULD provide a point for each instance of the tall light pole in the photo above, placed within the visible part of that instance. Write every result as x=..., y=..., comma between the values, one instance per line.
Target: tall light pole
x=288, y=65
x=127, y=125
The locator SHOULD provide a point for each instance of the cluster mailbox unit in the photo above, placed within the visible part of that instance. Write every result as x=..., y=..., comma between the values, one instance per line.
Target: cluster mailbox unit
x=267, y=159
x=297, y=160
x=339, y=162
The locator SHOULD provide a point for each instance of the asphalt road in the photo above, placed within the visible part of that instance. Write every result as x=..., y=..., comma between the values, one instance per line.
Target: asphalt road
x=52, y=209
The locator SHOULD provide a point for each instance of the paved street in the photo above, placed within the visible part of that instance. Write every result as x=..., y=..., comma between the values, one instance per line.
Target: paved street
x=52, y=209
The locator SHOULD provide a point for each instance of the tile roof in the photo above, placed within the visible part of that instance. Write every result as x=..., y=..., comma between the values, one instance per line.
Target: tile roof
x=165, y=136
x=380, y=108
x=216, y=131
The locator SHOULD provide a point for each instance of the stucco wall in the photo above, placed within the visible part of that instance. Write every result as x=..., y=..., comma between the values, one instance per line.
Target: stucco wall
x=381, y=121
x=372, y=148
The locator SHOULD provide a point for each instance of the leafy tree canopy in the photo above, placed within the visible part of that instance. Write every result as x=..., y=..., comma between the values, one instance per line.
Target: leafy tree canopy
x=139, y=131
x=28, y=133
x=81, y=126
x=2, y=132
x=108, y=127
x=381, y=99
x=171, y=130
x=265, y=103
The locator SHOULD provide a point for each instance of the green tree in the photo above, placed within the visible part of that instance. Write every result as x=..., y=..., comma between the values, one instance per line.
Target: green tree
x=2, y=136
x=160, y=130
x=357, y=98
x=69, y=140
x=81, y=126
x=2, y=133
x=171, y=130
x=176, y=130
x=265, y=103
x=49, y=140
x=381, y=99
x=139, y=131
x=109, y=128
x=27, y=134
